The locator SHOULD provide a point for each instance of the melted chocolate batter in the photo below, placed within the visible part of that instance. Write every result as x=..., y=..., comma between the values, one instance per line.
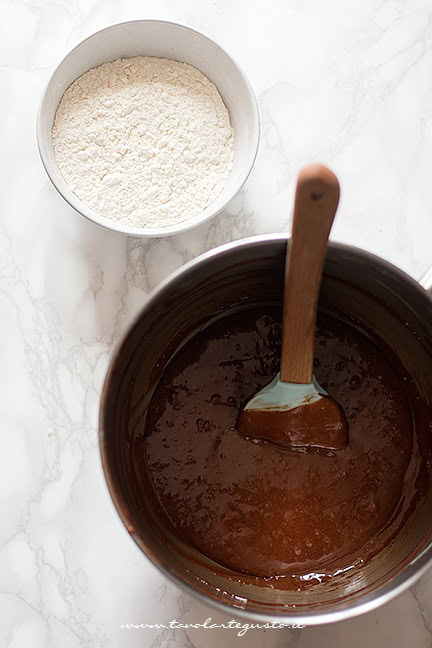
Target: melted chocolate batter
x=314, y=424
x=251, y=505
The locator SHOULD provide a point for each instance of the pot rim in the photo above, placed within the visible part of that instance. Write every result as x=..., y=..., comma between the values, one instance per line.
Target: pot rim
x=407, y=577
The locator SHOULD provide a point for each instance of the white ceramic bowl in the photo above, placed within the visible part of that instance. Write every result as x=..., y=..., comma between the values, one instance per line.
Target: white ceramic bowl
x=162, y=39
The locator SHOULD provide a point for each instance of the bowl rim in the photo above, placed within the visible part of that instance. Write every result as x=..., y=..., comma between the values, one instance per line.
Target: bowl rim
x=402, y=581
x=151, y=232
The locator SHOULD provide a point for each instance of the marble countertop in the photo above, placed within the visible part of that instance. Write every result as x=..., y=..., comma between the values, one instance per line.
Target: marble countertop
x=348, y=83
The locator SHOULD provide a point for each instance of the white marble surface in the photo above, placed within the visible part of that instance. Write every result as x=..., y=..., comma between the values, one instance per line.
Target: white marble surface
x=343, y=81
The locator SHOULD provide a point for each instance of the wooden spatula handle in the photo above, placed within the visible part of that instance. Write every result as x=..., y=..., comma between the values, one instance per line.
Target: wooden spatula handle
x=316, y=201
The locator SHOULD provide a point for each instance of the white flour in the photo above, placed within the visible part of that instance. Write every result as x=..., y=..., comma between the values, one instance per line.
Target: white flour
x=144, y=141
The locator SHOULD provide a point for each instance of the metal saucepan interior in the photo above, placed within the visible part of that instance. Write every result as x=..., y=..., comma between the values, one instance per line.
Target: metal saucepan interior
x=356, y=285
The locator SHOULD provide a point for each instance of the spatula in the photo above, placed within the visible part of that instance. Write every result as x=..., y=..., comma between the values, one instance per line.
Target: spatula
x=294, y=410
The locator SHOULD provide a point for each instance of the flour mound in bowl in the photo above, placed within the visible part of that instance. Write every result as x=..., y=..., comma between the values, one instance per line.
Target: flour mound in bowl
x=144, y=141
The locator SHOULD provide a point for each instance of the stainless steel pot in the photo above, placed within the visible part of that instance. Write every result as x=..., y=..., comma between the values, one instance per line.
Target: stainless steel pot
x=356, y=283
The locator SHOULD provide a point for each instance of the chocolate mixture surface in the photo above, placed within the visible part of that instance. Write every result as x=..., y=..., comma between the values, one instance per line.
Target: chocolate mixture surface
x=251, y=505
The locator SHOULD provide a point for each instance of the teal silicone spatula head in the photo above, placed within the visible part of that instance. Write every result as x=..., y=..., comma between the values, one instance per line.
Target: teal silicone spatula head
x=294, y=410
